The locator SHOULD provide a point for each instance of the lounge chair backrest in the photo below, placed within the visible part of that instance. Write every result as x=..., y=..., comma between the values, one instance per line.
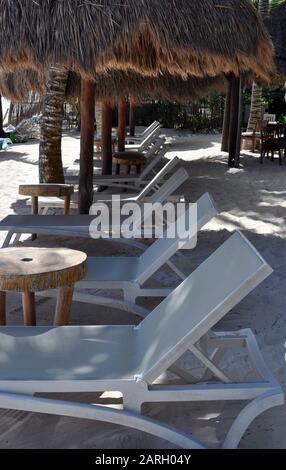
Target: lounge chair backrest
x=192, y=309
x=149, y=129
x=169, y=186
x=154, y=149
x=164, y=248
x=158, y=178
x=153, y=157
x=149, y=139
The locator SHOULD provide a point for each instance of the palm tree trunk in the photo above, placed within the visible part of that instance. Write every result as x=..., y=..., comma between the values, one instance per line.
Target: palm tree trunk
x=50, y=157
x=98, y=118
x=256, y=95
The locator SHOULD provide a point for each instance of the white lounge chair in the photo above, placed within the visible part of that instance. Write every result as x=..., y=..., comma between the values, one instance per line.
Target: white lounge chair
x=130, y=359
x=78, y=225
x=130, y=274
x=144, y=194
x=146, y=142
x=139, y=137
x=152, y=159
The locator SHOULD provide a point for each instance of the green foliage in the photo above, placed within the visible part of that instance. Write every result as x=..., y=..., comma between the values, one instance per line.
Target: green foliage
x=202, y=115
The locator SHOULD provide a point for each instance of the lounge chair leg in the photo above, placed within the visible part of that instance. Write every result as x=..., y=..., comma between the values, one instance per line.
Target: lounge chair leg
x=7, y=240
x=249, y=413
x=64, y=301
x=2, y=308
x=29, y=310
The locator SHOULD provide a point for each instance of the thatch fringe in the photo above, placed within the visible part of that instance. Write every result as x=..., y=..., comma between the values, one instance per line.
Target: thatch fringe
x=186, y=37
x=16, y=86
x=112, y=86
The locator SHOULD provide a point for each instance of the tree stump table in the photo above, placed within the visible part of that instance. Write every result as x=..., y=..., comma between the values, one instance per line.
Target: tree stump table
x=47, y=190
x=30, y=270
x=130, y=159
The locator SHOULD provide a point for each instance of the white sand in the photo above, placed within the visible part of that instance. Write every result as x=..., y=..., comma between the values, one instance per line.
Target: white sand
x=251, y=199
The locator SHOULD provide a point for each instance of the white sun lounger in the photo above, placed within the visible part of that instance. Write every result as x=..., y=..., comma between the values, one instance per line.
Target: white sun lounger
x=146, y=142
x=152, y=160
x=45, y=203
x=129, y=274
x=139, y=137
x=144, y=194
x=78, y=225
x=130, y=359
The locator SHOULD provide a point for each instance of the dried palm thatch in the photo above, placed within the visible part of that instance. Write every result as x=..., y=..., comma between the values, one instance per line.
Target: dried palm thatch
x=112, y=86
x=276, y=25
x=197, y=37
x=16, y=86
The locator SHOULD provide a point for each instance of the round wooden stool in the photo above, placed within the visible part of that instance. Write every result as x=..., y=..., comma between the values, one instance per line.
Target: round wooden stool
x=130, y=159
x=47, y=190
x=30, y=270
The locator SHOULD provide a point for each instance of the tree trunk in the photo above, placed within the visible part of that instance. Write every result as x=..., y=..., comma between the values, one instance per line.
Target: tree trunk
x=256, y=95
x=98, y=119
x=10, y=115
x=86, y=146
x=132, y=118
x=50, y=157
x=121, y=124
x=1, y=115
x=106, y=139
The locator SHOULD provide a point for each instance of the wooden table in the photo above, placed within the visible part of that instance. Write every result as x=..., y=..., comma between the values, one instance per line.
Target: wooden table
x=30, y=270
x=129, y=158
x=47, y=190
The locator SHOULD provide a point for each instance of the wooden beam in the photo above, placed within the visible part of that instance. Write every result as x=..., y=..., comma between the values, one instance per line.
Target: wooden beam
x=132, y=118
x=234, y=122
x=226, y=119
x=106, y=139
x=122, y=109
x=86, y=146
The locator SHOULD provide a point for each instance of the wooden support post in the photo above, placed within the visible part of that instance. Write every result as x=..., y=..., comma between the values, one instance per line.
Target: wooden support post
x=226, y=119
x=234, y=123
x=86, y=146
x=106, y=139
x=121, y=124
x=239, y=118
x=132, y=118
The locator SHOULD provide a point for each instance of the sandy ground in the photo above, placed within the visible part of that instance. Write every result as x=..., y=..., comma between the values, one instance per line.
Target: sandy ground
x=251, y=199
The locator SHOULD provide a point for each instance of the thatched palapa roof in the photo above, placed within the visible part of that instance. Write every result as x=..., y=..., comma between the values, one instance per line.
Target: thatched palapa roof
x=197, y=37
x=17, y=85
x=276, y=24
x=112, y=86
